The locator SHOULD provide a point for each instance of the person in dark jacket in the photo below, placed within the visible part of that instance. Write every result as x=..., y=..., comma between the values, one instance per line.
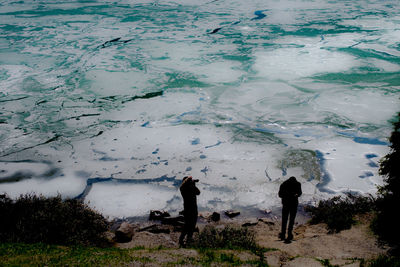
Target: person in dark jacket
x=189, y=193
x=289, y=191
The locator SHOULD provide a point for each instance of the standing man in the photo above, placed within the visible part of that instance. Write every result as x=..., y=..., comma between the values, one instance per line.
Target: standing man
x=189, y=193
x=289, y=191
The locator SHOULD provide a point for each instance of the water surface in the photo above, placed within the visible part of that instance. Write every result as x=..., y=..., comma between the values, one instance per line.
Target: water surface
x=115, y=101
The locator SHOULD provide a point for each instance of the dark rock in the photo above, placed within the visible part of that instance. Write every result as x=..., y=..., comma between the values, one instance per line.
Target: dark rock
x=156, y=229
x=144, y=228
x=215, y=31
x=215, y=216
x=266, y=221
x=124, y=233
x=208, y=216
x=251, y=222
x=232, y=213
x=158, y=215
x=174, y=221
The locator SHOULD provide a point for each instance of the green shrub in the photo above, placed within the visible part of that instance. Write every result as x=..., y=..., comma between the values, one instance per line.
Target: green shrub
x=385, y=224
x=39, y=254
x=338, y=212
x=326, y=263
x=228, y=237
x=32, y=219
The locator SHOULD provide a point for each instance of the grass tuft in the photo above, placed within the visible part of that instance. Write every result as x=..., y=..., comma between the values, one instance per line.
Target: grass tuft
x=227, y=238
x=212, y=238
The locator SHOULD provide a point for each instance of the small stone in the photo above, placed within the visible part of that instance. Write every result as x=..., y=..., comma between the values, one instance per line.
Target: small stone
x=205, y=214
x=232, y=213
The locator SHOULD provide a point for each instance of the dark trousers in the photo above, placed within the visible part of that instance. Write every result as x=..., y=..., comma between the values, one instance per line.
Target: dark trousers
x=288, y=211
x=188, y=228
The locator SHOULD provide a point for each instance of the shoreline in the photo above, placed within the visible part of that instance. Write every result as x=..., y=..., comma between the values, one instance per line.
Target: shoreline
x=312, y=245
x=246, y=214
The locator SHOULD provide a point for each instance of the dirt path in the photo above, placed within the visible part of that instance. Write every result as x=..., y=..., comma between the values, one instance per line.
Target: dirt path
x=312, y=245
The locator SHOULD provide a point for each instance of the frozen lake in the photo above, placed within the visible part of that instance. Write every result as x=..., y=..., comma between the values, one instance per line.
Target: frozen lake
x=115, y=101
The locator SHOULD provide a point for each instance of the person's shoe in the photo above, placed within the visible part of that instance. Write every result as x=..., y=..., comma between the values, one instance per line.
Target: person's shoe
x=181, y=243
x=290, y=237
x=287, y=241
x=281, y=236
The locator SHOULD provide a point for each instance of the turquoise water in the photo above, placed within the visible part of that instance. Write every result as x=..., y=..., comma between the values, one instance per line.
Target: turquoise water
x=115, y=101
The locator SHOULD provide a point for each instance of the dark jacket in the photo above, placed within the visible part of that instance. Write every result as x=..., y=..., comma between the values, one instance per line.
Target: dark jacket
x=289, y=191
x=189, y=192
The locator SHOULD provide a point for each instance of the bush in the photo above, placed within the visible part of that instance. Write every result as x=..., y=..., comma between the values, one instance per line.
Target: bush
x=385, y=224
x=338, y=212
x=385, y=261
x=32, y=219
x=228, y=237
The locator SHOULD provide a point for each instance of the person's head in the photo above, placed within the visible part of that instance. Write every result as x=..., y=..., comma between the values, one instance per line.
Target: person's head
x=186, y=178
x=292, y=179
x=189, y=179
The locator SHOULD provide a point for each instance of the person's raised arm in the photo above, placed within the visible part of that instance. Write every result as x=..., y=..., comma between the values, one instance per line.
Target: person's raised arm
x=299, y=192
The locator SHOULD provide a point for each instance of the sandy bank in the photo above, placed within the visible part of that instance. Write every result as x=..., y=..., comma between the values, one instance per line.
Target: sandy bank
x=312, y=244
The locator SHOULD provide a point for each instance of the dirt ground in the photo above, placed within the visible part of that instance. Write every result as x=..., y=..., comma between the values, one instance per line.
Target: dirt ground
x=312, y=244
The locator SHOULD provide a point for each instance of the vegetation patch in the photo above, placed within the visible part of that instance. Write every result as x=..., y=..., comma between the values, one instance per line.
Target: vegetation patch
x=39, y=254
x=384, y=225
x=226, y=258
x=326, y=263
x=338, y=212
x=37, y=219
x=228, y=237
x=212, y=239
x=384, y=260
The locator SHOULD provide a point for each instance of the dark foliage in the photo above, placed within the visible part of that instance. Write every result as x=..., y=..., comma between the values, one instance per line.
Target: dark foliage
x=338, y=212
x=385, y=261
x=390, y=167
x=32, y=219
x=227, y=237
x=385, y=223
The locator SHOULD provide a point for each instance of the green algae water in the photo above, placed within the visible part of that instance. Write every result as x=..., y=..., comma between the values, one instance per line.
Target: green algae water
x=114, y=102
